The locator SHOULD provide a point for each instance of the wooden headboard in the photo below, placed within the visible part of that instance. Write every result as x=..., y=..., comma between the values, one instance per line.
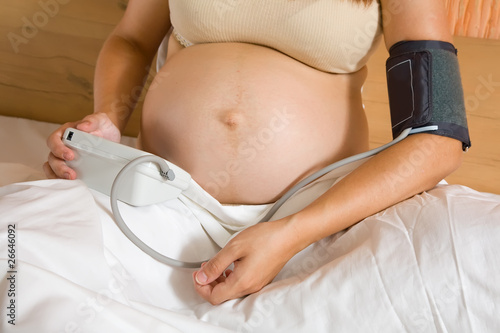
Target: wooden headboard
x=49, y=48
x=47, y=56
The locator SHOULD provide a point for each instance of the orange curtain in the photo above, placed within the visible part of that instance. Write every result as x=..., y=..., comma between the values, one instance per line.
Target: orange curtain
x=475, y=18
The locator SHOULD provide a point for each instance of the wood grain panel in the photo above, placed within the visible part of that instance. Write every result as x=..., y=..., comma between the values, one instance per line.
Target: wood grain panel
x=48, y=52
x=474, y=18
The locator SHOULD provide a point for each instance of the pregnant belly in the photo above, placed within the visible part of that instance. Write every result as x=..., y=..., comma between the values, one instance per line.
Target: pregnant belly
x=248, y=122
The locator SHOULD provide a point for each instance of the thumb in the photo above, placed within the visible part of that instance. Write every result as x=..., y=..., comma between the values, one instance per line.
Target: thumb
x=88, y=124
x=214, y=268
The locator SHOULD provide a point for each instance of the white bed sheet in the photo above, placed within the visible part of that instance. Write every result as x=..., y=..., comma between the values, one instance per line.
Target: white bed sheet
x=22, y=146
x=429, y=264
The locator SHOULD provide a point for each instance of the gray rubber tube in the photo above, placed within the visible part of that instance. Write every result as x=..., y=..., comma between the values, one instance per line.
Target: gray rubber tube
x=166, y=172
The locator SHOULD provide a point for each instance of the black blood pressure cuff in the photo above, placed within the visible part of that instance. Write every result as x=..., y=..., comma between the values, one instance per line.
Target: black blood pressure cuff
x=425, y=90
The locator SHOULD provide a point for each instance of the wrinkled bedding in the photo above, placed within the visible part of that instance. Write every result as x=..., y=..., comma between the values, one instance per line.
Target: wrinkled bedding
x=428, y=264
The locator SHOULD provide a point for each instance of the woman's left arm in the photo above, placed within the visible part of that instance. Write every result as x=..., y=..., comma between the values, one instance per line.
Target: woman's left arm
x=409, y=167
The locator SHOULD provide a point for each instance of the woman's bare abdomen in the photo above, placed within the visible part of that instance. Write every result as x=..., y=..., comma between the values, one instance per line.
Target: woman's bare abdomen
x=248, y=122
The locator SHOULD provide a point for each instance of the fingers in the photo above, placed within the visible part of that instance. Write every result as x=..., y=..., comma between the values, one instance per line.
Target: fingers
x=101, y=125
x=258, y=256
x=90, y=124
x=214, y=292
x=214, y=281
x=214, y=268
x=230, y=285
x=228, y=272
x=96, y=123
x=48, y=171
x=57, y=147
x=57, y=168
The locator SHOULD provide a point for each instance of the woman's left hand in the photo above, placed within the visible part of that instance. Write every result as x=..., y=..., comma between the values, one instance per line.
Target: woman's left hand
x=258, y=253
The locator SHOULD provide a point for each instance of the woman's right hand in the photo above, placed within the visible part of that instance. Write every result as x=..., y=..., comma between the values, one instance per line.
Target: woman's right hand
x=97, y=124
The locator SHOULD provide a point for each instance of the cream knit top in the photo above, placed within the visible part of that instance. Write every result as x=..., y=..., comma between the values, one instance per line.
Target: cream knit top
x=335, y=36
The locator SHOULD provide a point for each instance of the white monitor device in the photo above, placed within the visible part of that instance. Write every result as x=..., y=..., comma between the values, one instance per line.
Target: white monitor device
x=98, y=161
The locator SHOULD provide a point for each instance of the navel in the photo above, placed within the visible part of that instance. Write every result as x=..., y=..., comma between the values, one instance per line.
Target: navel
x=231, y=119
